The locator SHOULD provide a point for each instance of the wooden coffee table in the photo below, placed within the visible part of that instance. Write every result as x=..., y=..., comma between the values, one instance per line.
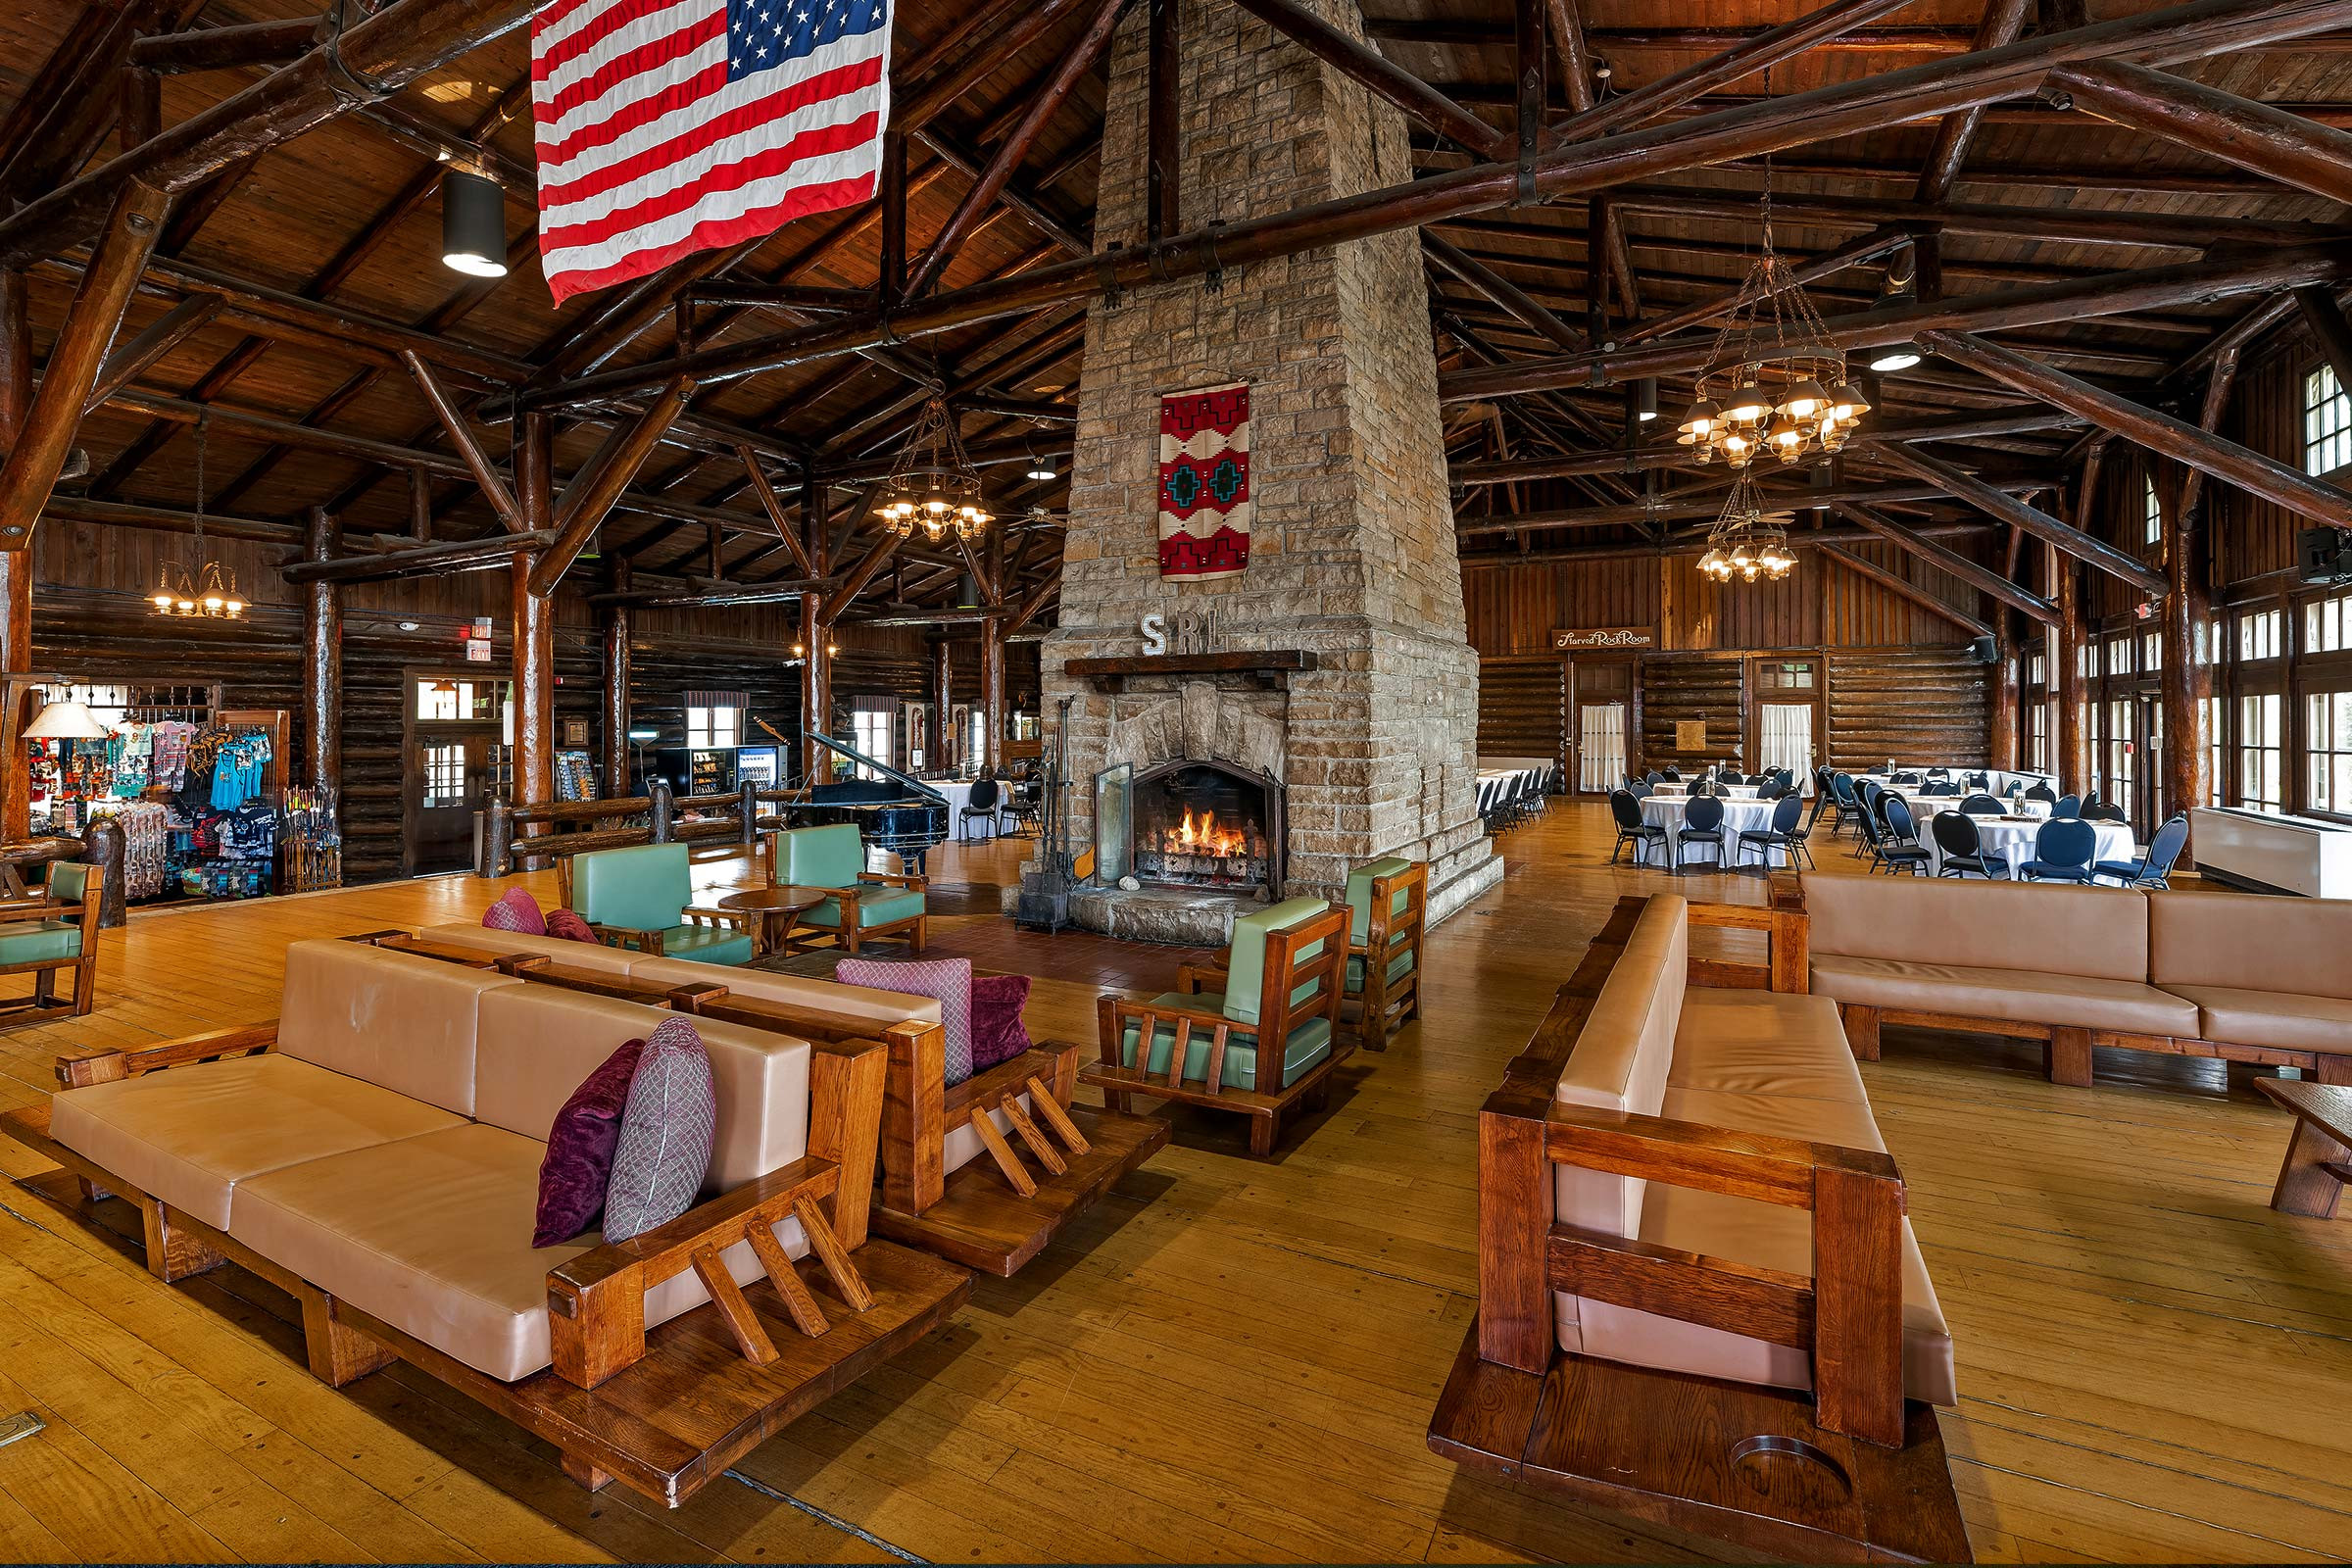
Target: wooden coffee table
x=779, y=909
x=2318, y=1158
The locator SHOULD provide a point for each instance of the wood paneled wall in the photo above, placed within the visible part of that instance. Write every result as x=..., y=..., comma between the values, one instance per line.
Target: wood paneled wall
x=1522, y=707
x=1710, y=692
x=1928, y=705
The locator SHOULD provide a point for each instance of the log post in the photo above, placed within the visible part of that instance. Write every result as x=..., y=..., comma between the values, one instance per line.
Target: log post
x=617, y=682
x=323, y=658
x=103, y=848
x=2001, y=746
x=747, y=810
x=16, y=565
x=992, y=693
x=2184, y=680
x=817, y=686
x=942, y=693
x=496, y=857
x=2072, y=764
x=664, y=810
x=534, y=625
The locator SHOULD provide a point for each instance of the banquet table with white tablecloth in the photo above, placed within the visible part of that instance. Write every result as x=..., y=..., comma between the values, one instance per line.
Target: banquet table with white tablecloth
x=1739, y=816
x=2011, y=838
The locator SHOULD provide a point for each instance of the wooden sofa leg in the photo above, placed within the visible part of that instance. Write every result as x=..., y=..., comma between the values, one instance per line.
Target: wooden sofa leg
x=173, y=1254
x=2067, y=1057
x=586, y=1474
x=338, y=1354
x=1861, y=1031
x=1264, y=1125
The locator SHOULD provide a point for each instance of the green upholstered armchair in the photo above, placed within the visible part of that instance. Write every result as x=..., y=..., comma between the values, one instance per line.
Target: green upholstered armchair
x=865, y=905
x=1386, y=902
x=56, y=930
x=1280, y=982
x=638, y=897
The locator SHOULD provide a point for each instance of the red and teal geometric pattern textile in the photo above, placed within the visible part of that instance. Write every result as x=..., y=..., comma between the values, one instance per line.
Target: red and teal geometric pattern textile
x=1204, y=482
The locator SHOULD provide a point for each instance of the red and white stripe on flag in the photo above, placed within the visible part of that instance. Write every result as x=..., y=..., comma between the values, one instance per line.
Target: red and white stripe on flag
x=668, y=127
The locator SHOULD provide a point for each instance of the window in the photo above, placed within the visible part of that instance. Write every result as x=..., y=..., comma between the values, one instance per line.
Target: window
x=2119, y=657
x=2329, y=718
x=2151, y=511
x=2119, y=751
x=2217, y=787
x=2259, y=634
x=2038, y=670
x=714, y=729
x=2151, y=652
x=463, y=700
x=1792, y=676
x=870, y=733
x=976, y=738
x=444, y=775
x=2260, y=745
x=2327, y=625
x=2326, y=422
x=2038, y=737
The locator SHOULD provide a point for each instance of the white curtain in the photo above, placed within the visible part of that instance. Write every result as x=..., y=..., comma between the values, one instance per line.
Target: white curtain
x=1789, y=740
x=1600, y=747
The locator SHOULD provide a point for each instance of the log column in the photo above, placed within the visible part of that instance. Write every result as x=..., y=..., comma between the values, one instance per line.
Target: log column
x=816, y=688
x=322, y=656
x=2185, y=679
x=16, y=565
x=2001, y=749
x=2073, y=757
x=534, y=624
x=943, y=692
x=616, y=683
x=992, y=689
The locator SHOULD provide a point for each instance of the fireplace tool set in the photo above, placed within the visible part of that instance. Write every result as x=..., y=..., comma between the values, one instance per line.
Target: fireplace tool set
x=1045, y=900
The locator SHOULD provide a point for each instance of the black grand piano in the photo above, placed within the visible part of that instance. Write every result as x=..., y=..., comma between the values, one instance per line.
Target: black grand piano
x=894, y=812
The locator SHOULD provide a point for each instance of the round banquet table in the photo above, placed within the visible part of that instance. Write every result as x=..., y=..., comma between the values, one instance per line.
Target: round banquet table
x=2013, y=840
x=1739, y=816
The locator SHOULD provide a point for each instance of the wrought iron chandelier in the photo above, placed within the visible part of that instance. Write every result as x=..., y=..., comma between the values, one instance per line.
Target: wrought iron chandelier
x=1771, y=382
x=211, y=590
x=1747, y=542
x=933, y=482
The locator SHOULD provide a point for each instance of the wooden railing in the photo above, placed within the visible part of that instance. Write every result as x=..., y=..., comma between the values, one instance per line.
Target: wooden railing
x=540, y=833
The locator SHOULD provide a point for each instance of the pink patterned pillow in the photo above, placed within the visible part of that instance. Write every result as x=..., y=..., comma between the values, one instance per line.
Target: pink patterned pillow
x=998, y=1032
x=568, y=924
x=950, y=980
x=518, y=912
x=578, y=1163
x=665, y=1133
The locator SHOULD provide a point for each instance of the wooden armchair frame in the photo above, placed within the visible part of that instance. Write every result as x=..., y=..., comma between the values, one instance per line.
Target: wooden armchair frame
x=1742, y=1462
x=662, y=1409
x=992, y=1223
x=1383, y=1006
x=42, y=1006
x=649, y=943
x=849, y=935
x=1265, y=1103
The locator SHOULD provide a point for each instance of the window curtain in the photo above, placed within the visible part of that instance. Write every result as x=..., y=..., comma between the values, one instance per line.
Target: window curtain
x=1787, y=740
x=1600, y=747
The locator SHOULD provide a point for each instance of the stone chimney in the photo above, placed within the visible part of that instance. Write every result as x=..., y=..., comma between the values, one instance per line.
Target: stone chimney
x=1351, y=553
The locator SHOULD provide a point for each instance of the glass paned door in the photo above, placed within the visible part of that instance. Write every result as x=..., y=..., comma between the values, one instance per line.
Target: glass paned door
x=1600, y=747
x=1784, y=739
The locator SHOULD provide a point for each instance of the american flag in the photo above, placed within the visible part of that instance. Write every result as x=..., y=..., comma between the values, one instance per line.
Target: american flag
x=667, y=127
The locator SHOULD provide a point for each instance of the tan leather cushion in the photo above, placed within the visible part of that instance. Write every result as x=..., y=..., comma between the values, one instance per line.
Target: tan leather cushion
x=1620, y=1059
x=1764, y=1043
x=2269, y=1017
x=539, y=1040
x=558, y=949
x=2101, y=932
x=190, y=1135
x=451, y=1260
x=1767, y=1235
x=826, y=996
x=2250, y=942
x=392, y=1018
x=2017, y=996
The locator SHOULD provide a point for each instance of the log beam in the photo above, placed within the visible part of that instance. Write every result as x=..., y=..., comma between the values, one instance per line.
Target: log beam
x=773, y=505
x=1902, y=587
x=1652, y=509
x=419, y=561
x=595, y=489
x=2254, y=137
x=1500, y=291
x=461, y=435
x=1982, y=579
x=245, y=43
x=1997, y=503
x=2259, y=476
x=2325, y=319
x=2003, y=19
x=1389, y=82
x=170, y=329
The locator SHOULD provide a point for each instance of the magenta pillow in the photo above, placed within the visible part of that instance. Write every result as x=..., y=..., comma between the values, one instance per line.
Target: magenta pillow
x=518, y=912
x=998, y=1032
x=568, y=924
x=948, y=980
x=665, y=1134
x=579, y=1151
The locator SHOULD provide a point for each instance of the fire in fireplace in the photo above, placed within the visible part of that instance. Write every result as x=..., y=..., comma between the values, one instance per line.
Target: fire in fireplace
x=1201, y=824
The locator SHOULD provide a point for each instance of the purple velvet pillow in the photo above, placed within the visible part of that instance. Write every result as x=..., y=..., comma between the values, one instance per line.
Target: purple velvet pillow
x=948, y=980
x=579, y=1151
x=998, y=1032
x=568, y=924
x=518, y=912
x=665, y=1134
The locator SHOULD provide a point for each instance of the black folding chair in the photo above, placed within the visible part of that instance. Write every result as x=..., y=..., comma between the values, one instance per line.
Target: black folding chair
x=1632, y=828
x=1902, y=847
x=2062, y=851
x=1702, y=824
x=1788, y=831
x=1963, y=851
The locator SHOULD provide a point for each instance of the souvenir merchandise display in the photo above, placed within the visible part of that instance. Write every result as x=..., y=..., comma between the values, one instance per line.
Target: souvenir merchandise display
x=575, y=776
x=313, y=843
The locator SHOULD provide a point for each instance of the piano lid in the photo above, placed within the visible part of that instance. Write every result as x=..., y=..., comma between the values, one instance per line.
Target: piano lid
x=914, y=786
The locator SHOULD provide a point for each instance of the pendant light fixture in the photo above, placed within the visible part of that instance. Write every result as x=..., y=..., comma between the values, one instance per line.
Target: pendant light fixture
x=474, y=224
x=211, y=590
x=933, y=484
x=1747, y=543
x=1771, y=382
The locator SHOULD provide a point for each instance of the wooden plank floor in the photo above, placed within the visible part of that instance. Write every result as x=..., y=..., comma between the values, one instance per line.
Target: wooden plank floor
x=1232, y=1359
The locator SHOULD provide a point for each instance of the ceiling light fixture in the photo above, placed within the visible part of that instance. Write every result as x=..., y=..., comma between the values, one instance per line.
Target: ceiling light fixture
x=210, y=589
x=1747, y=542
x=474, y=224
x=933, y=482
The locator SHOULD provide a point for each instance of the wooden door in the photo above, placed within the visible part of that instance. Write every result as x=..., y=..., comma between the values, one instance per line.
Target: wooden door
x=1785, y=717
x=452, y=735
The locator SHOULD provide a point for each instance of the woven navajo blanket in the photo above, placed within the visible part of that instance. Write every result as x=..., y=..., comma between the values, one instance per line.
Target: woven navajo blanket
x=1204, y=482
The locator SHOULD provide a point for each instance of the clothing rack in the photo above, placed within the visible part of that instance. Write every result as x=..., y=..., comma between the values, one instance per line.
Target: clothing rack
x=154, y=704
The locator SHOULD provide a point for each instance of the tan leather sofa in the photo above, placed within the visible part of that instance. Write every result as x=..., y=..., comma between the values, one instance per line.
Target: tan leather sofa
x=388, y=1149
x=1755, y=1062
x=2240, y=976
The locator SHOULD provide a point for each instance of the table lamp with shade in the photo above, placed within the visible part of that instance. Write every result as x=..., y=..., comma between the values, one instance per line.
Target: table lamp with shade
x=65, y=720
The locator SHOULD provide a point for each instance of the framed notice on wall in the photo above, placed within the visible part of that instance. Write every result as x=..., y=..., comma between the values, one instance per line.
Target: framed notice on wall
x=1690, y=734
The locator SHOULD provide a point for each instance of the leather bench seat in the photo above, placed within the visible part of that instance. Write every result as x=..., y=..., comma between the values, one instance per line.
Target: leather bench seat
x=450, y=1262
x=2285, y=1018
x=1307, y=1045
x=1763, y=1043
x=2261, y=970
x=2017, y=995
x=192, y=1134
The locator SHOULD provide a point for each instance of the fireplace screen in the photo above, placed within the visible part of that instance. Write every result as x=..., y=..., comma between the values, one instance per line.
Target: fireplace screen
x=1201, y=825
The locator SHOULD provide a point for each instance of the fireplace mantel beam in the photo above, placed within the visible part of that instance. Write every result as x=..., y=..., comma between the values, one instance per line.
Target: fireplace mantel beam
x=1273, y=665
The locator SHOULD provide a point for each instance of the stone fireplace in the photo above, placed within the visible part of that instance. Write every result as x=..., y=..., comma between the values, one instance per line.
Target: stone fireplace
x=1205, y=825
x=1336, y=667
